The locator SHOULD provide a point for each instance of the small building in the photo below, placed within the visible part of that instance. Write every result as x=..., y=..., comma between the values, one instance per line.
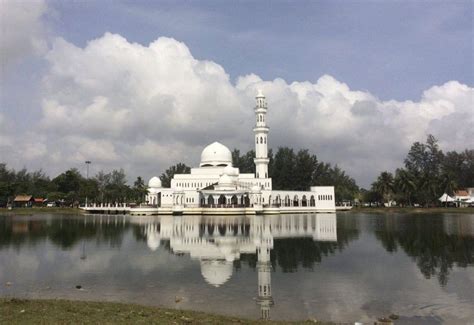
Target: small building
x=39, y=201
x=462, y=198
x=23, y=201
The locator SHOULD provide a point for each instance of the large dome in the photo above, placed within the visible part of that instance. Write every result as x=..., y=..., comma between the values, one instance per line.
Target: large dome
x=216, y=155
x=216, y=273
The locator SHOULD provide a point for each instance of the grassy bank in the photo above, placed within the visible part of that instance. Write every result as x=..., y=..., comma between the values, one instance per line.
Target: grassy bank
x=411, y=210
x=31, y=211
x=17, y=311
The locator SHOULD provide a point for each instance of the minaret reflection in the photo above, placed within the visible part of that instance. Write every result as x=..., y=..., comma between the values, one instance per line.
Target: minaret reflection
x=264, y=243
x=218, y=241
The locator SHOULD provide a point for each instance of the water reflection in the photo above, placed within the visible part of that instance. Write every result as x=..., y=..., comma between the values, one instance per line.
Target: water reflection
x=219, y=241
x=318, y=263
x=435, y=243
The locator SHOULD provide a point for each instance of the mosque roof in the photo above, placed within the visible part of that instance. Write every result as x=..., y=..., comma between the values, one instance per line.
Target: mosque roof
x=216, y=155
x=154, y=182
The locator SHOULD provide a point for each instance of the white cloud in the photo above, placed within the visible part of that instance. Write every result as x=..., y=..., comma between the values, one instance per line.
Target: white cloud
x=22, y=31
x=143, y=108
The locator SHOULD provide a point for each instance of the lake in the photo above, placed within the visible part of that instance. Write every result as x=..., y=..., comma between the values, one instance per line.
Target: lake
x=344, y=268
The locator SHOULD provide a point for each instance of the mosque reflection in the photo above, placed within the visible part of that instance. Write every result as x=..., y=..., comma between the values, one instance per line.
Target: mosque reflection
x=218, y=241
x=268, y=244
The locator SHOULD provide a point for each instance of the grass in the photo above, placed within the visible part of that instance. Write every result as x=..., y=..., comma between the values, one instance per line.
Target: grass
x=411, y=210
x=19, y=311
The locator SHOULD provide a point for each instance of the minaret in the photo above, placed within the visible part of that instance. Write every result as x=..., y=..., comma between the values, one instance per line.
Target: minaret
x=261, y=137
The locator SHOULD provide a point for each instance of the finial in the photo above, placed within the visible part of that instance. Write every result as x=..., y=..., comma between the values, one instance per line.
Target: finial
x=260, y=93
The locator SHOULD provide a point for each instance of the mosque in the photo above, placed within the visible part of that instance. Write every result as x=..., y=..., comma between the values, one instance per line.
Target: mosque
x=216, y=187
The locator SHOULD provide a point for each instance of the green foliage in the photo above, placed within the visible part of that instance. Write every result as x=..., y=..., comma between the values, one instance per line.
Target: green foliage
x=384, y=186
x=244, y=162
x=179, y=168
x=139, y=190
x=428, y=173
x=299, y=171
x=69, y=188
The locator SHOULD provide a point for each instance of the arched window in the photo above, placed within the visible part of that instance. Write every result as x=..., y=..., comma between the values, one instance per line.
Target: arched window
x=296, y=201
x=304, y=201
x=261, y=140
x=265, y=140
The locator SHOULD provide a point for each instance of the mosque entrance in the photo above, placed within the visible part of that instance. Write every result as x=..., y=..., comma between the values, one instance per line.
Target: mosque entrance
x=221, y=200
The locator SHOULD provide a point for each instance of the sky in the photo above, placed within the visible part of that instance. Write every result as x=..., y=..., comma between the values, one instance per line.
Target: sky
x=142, y=85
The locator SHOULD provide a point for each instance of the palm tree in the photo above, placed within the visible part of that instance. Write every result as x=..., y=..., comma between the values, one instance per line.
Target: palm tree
x=448, y=184
x=384, y=185
x=405, y=183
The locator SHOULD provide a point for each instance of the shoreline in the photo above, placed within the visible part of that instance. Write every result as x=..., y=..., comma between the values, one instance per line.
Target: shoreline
x=52, y=311
x=354, y=210
x=410, y=210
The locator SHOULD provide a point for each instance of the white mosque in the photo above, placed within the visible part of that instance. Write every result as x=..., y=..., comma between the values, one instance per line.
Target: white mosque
x=216, y=187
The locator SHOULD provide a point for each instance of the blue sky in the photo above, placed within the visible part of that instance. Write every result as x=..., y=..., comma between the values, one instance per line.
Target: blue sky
x=321, y=63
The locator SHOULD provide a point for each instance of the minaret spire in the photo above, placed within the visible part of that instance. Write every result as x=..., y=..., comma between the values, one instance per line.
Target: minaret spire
x=261, y=139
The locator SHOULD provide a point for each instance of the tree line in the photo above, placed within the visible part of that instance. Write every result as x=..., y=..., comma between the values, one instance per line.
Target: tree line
x=70, y=187
x=299, y=170
x=427, y=174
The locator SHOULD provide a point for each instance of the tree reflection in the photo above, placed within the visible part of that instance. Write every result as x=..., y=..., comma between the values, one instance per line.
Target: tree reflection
x=63, y=232
x=435, y=242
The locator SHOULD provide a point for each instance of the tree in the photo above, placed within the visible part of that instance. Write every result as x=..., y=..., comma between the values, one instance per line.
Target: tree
x=117, y=189
x=139, y=190
x=405, y=184
x=384, y=186
x=305, y=166
x=69, y=183
x=179, y=168
x=424, y=163
x=244, y=162
x=7, y=189
x=283, y=169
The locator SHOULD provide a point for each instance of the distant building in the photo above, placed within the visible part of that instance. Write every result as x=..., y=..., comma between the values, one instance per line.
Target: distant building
x=464, y=197
x=470, y=191
x=39, y=201
x=22, y=201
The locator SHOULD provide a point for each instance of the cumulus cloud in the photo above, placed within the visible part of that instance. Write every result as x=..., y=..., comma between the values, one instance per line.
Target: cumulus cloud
x=22, y=31
x=143, y=108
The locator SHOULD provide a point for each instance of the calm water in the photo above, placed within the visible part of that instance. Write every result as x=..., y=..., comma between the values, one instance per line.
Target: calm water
x=349, y=267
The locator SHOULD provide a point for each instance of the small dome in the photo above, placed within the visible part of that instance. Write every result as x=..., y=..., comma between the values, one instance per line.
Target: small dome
x=216, y=273
x=231, y=171
x=153, y=240
x=225, y=180
x=154, y=182
x=216, y=155
x=260, y=94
